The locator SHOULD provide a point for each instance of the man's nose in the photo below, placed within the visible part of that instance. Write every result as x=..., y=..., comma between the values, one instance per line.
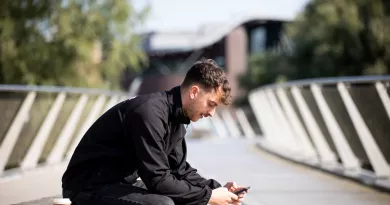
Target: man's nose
x=211, y=112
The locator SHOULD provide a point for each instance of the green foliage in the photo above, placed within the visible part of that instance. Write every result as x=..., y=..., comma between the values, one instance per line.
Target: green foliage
x=329, y=38
x=340, y=38
x=264, y=68
x=62, y=42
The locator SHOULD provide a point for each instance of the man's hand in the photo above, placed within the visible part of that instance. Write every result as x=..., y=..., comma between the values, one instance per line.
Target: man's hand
x=221, y=196
x=232, y=187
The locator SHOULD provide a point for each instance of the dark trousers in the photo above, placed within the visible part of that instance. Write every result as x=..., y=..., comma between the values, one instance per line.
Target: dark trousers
x=118, y=194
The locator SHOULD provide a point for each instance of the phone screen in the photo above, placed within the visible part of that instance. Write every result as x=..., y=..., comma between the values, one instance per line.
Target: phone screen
x=242, y=190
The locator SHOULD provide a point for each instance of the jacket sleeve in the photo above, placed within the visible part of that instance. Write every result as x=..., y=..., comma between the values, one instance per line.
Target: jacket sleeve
x=188, y=173
x=147, y=127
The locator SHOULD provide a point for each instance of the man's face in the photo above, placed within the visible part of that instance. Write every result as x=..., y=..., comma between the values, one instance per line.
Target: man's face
x=202, y=104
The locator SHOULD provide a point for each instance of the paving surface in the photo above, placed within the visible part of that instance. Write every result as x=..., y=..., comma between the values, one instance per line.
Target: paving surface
x=42, y=201
x=31, y=185
x=273, y=181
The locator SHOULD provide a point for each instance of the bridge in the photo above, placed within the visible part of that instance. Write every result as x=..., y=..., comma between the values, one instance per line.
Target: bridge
x=320, y=141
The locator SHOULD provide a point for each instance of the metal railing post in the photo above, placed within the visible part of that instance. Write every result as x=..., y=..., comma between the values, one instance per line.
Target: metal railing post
x=326, y=154
x=383, y=96
x=348, y=158
x=297, y=126
x=65, y=136
x=93, y=115
x=378, y=161
x=12, y=135
x=244, y=123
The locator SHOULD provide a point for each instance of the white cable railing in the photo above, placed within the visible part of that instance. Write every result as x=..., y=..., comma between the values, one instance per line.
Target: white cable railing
x=341, y=125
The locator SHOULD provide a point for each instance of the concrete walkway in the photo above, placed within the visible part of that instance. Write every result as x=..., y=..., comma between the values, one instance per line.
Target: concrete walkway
x=275, y=181
x=23, y=186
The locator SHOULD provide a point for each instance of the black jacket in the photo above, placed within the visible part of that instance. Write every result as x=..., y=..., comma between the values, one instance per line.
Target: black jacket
x=144, y=137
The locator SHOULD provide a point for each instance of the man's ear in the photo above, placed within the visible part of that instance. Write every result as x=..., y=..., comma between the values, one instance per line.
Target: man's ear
x=194, y=91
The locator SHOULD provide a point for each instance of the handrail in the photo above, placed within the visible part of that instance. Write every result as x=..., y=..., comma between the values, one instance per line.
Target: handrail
x=328, y=81
x=56, y=89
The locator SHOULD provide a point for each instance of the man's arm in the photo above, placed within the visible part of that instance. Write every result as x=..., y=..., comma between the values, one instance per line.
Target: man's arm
x=194, y=178
x=189, y=173
x=146, y=129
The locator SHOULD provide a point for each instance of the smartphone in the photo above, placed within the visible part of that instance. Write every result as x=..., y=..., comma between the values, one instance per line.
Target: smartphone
x=242, y=190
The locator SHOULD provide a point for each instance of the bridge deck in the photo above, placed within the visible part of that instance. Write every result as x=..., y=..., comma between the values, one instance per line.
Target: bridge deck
x=273, y=181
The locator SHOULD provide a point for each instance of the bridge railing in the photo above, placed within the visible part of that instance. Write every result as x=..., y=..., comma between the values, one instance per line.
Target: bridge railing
x=42, y=124
x=341, y=125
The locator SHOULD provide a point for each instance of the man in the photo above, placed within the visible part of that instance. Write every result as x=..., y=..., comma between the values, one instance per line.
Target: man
x=144, y=137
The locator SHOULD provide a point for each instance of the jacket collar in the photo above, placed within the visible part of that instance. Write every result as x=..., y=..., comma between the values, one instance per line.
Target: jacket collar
x=177, y=114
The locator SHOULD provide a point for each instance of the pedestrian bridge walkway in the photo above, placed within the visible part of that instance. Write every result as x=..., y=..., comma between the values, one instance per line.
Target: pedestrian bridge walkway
x=275, y=181
x=323, y=141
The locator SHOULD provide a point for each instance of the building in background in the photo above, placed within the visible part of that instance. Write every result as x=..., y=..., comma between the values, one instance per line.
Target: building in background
x=229, y=44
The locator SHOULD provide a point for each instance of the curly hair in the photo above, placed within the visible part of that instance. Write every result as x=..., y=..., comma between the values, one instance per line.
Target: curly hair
x=209, y=75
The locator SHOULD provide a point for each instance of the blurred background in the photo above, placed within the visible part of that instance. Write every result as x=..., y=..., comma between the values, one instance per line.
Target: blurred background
x=310, y=80
x=126, y=45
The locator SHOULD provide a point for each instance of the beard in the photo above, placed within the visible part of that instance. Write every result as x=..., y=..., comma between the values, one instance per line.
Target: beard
x=191, y=111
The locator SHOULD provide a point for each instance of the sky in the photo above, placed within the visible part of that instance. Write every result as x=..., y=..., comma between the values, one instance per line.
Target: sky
x=182, y=15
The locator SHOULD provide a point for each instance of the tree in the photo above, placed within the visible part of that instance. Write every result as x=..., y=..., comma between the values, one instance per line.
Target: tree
x=329, y=38
x=341, y=38
x=264, y=68
x=61, y=42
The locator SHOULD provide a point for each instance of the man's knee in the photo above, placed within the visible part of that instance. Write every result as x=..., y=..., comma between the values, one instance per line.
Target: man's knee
x=164, y=200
